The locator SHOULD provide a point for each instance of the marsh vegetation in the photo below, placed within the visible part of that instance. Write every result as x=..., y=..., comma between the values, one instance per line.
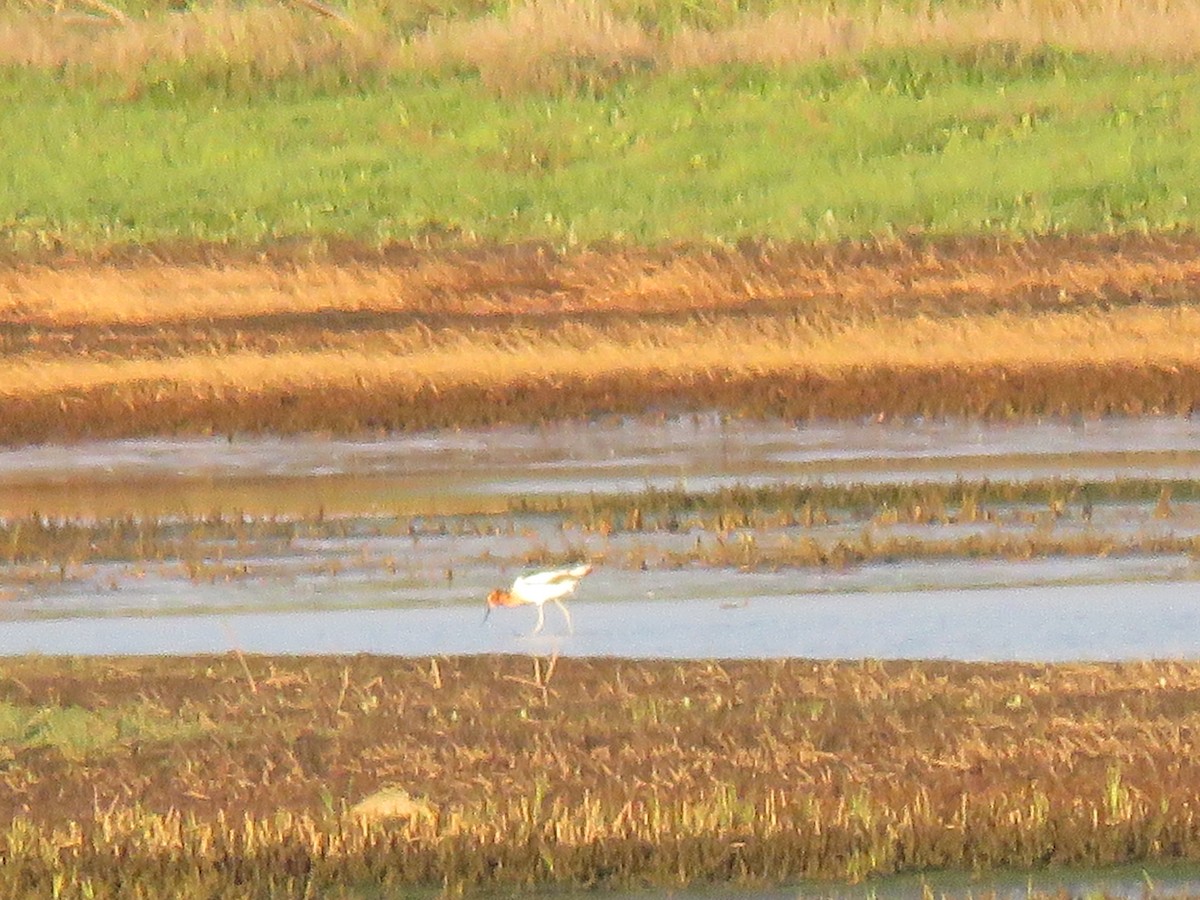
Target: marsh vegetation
x=193, y=774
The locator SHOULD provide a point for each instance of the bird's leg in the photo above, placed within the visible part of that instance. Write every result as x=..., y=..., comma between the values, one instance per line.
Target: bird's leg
x=566, y=615
x=541, y=618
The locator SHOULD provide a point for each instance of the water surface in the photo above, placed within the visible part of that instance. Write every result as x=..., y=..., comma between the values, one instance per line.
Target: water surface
x=378, y=583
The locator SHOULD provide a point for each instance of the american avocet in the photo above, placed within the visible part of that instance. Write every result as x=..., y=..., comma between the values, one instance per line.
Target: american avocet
x=553, y=584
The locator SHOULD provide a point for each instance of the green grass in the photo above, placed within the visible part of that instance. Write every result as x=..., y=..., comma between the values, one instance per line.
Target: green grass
x=78, y=732
x=935, y=143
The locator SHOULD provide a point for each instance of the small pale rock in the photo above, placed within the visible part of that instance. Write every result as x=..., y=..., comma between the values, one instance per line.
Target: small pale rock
x=392, y=803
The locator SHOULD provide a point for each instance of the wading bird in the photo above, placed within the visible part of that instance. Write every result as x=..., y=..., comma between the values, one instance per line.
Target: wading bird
x=553, y=584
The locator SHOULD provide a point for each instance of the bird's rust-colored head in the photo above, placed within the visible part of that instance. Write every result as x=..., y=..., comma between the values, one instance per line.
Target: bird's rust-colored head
x=500, y=597
x=497, y=597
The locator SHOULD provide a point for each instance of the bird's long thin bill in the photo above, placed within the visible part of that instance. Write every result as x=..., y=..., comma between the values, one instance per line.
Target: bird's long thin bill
x=487, y=611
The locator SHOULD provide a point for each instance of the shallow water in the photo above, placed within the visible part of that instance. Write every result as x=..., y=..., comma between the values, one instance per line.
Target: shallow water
x=1107, y=621
x=1141, y=882
x=475, y=471
x=377, y=587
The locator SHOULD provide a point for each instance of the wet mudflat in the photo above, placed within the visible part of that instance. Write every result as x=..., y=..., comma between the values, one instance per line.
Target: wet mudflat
x=864, y=540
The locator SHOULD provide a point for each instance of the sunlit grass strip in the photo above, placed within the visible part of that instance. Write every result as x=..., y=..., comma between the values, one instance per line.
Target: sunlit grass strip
x=715, y=838
x=220, y=286
x=796, y=395
x=758, y=346
x=594, y=772
x=210, y=340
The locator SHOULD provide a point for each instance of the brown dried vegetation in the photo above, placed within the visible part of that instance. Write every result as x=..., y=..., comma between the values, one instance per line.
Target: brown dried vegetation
x=219, y=770
x=193, y=341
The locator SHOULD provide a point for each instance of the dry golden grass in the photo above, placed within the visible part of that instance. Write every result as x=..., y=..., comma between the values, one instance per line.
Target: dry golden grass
x=276, y=41
x=943, y=277
x=459, y=337
x=765, y=348
x=527, y=45
x=1157, y=30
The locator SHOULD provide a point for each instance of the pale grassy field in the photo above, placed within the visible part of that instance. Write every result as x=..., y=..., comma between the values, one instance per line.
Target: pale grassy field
x=523, y=44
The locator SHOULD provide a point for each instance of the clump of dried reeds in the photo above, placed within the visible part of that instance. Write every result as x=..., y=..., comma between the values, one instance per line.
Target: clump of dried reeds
x=543, y=45
x=916, y=502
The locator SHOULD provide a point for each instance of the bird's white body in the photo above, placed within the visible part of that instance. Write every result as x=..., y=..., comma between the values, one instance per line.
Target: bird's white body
x=540, y=588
